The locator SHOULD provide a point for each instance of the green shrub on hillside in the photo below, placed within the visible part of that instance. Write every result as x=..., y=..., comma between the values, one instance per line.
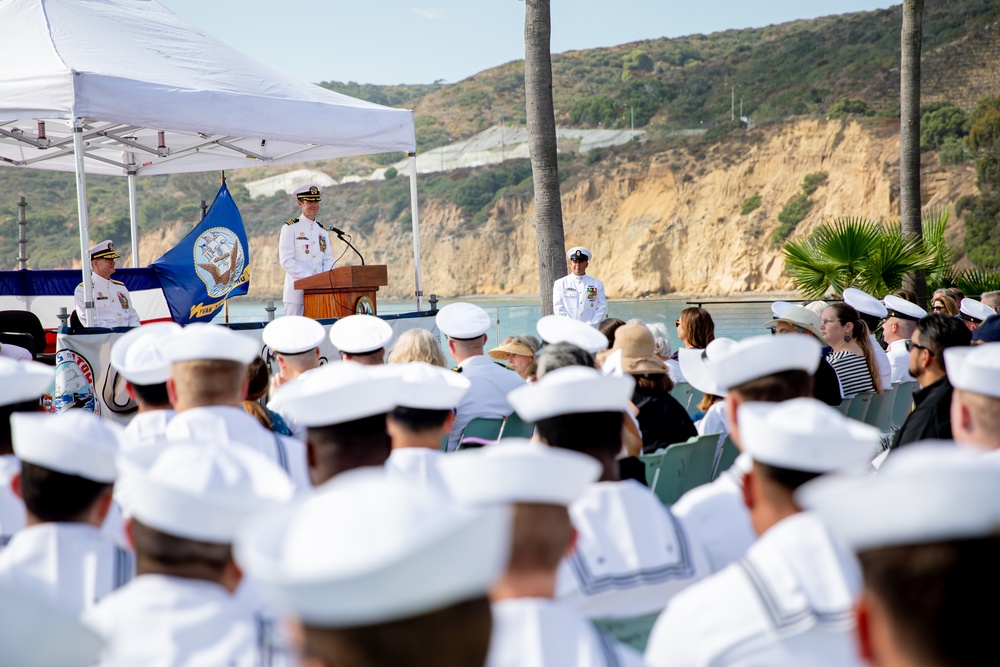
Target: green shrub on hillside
x=812, y=181
x=940, y=123
x=391, y=173
x=791, y=214
x=636, y=61
x=850, y=107
x=952, y=151
x=598, y=110
x=750, y=205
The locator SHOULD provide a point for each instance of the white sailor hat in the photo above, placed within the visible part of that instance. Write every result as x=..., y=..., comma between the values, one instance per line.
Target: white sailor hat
x=516, y=470
x=974, y=311
x=34, y=633
x=309, y=192
x=138, y=355
x=23, y=380
x=805, y=434
x=800, y=316
x=571, y=390
x=104, y=250
x=579, y=252
x=462, y=321
x=358, y=334
x=204, y=490
x=903, y=309
x=339, y=392
x=864, y=303
x=427, y=387
x=778, y=307
x=73, y=442
x=293, y=334
x=694, y=365
x=561, y=329
x=974, y=369
x=202, y=341
x=760, y=356
x=922, y=493
x=369, y=547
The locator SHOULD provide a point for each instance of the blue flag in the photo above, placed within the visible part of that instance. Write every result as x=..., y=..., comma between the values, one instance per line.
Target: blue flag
x=209, y=265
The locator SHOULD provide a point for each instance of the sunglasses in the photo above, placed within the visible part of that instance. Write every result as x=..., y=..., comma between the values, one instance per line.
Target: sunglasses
x=910, y=345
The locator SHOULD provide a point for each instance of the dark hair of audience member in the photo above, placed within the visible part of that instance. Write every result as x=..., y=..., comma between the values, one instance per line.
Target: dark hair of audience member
x=58, y=497
x=418, y=420
x=608, y=327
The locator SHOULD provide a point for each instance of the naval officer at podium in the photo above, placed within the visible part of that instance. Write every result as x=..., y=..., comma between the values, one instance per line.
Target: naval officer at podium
x=303, y=248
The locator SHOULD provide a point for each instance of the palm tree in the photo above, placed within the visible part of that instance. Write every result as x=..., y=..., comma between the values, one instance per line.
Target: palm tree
x=909, y=133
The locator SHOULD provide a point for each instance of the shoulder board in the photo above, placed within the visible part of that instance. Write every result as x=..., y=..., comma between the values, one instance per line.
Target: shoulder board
x=81, y=284
x=118, y=282
x=457, y=369
x=292, y=221
x=322, y=227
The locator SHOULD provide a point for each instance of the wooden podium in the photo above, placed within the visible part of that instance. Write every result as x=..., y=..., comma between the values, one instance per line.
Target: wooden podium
x=343, y=291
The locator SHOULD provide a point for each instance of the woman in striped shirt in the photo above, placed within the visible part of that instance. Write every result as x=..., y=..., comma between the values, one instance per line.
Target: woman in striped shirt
x=852, y=356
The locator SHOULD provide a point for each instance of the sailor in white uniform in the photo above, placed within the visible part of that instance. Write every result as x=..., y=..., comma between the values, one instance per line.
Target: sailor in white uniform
x=362, y=339
x=872, y=310
x=466, y=325
x=974, y=313
x=68, y=472
x=188, y=503
x=897, y=328
x=35, y=633
x=578, y=295
x=693, y=365
x=303, y=248
x=555, y=329
x=294, y=340
x=112, y=301
x=789, y=600
x=632, y=554
x=974, y=372
x=530, y=627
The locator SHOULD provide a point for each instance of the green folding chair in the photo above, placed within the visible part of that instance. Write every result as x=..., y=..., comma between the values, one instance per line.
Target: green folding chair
x=845, y=405
x=860, y=404
x=673, y=471
x=902, y=405
x=880, y=410
x=633, y=631
x=726, y=457
x=480, y=431
x=515, y=427
x=682, y=391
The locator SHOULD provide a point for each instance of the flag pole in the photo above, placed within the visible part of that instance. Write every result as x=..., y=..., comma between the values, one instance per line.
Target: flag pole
x=225, y=304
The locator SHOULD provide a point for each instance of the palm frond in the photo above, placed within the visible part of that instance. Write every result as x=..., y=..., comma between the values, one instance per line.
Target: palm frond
x=891, y=258
x=812, y=273
x=847, y=241
x=934, y=223
x=977, y=280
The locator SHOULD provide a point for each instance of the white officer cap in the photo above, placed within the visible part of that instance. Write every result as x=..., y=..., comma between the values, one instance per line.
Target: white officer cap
x=516, y=470
x=799, y=316
x=357, y=334
x=462, y=321
x=778, y=307
x=293, y=334
x=138, y=355
x=922, y=493
x=694, y=365
x=203, y=490
x=369, y=547
x=579, y=250
x=23, y=380
x=865, y=303
x=339, y=392
x=903, y=309
x=104, y=250
x=36, y=634
x=975, y=311
x=309, y=192
x=202, y=341
x=760, y=356
x=571, y=390
x=974, y=369
x=561, y=329
x=805, y=434
x=73, y=442
x=427, y=387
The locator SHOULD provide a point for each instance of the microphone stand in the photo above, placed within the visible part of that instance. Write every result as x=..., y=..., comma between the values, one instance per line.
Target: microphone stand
x=345, y=239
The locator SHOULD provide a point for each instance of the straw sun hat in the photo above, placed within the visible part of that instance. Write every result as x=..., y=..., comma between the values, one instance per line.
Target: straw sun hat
x=504, y=351
x=638, y=350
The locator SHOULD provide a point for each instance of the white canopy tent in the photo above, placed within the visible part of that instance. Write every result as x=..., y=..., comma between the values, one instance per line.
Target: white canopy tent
x=125, y=87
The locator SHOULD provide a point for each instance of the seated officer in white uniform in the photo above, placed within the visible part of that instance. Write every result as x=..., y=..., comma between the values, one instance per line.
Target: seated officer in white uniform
x=343, y=406
x=207, y=385
x=761, y=369
x=578, y=295
x=417, y=597
x=423, y=415
x=974, y=372
x=466, y=325
x=112, y=302
x=789, y=600
x=632, y=555
x=530, y=627
x=898, y=326
x=872, y=311
x=35, y=633
x=295, y=341
x=22, y=384
x=361, y=339
x=181, y=609
x=926, y=530
x=303, y=248
x=66, y=481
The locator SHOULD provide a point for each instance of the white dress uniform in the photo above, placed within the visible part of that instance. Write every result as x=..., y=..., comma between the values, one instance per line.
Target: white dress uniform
x=487, y=397
x=72, y=564
x=899, y=361
x=538, y=632
x=147, y=426
x=303, y=250
x=882, y=359
x=788, y=602
x=418, y=465
x=632, y=554
x=112, y=304
x=11, y=507
x=279, y=407
x=580, y=297
x=15, y=352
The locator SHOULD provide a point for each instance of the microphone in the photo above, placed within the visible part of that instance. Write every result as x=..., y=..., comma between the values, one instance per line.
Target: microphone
x=343, y=236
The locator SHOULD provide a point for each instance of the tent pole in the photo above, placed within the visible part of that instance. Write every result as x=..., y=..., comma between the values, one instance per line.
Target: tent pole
x=81, y=207
x=415, y=226
x=133, y=218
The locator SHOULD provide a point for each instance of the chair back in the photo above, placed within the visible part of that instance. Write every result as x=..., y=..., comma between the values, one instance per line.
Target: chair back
x=693, y=401
x=902, y=405
x=673, y=471
x=859, y=405
x=880, y=410
x=632, y=631
x=845, y=405
x=24, y=322
x=480, y=431
x=726, y=457
x=515, y=427
x=682, y=391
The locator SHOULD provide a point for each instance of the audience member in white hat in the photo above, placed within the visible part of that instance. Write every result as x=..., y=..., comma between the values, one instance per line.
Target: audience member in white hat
x=343, y=406
x=66, y=481
x=416, y=595
x=295, y=341
x=530, y=627
x=926, y=531
x=973, y=313
x=872, y=311
x=207, y=385
x=693, y=365
x=632, y=554
x=466, y=325
x=362, y=339
x=897, y=328
x=22, y=384
x=760, y=369
x=181, y=609
x=974, y=373
x=35, y=633
x=791, y=319
x=578, y=295
x=423, y=415
x=138, y=357
x=561, y=329
x=788, y=601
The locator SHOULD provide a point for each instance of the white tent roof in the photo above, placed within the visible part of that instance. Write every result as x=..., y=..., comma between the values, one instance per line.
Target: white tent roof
x=132, y=69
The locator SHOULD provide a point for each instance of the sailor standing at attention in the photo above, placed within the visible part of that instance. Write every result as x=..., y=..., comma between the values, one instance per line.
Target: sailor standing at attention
x=303, y=248
x=578, y=295
x=112, y=302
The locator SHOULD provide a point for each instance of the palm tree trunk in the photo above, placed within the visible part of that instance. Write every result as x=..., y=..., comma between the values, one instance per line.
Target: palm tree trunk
x=909, y=133
x=549, y=238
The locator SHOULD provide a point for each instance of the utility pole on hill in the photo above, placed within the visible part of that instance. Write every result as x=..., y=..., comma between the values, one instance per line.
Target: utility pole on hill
x=909, y=134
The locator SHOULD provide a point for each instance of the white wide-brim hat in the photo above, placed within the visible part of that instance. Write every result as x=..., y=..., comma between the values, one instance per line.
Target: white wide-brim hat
x=975, y=369
x=694, y=365
x=73, y=442
x=138, y=355
x=571, y=390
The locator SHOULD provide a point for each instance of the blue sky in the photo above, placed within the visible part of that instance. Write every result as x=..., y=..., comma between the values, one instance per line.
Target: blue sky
x=420, y=41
